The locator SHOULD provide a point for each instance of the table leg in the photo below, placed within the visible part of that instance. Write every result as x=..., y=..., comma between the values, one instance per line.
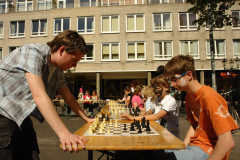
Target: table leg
x=90, y=155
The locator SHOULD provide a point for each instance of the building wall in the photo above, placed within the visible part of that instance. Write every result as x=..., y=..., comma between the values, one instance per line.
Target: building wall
x=148, y=36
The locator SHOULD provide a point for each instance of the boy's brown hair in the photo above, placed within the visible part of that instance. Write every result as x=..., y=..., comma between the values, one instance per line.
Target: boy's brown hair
x=71, y=41
x=180, y=64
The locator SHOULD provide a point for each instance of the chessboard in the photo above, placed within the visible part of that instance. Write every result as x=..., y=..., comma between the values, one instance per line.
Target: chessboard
x=120, y=129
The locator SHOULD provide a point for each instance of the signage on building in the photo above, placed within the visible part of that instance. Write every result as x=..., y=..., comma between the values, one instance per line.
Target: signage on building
x=227, y=75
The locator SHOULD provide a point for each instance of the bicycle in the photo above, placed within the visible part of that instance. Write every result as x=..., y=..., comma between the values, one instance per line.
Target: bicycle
x=232, y=111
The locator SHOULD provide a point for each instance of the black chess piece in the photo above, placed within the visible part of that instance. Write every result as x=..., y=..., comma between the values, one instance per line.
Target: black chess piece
x=125, y=127
x=143, y=124
x=137, y=109
x=148, y=127
x=139, y=129
x=132, y=127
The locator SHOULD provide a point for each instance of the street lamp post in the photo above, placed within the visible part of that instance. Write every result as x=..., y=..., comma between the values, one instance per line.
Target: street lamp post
x=231, y=71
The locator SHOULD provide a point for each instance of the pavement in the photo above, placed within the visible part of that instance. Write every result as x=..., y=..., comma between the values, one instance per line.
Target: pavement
x=49, y=142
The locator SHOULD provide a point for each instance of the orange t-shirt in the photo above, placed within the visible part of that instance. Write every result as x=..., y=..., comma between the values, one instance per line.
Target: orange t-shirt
x=208, y=114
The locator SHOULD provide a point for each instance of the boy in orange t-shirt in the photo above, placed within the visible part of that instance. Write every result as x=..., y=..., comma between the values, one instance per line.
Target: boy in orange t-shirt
x=209, y=136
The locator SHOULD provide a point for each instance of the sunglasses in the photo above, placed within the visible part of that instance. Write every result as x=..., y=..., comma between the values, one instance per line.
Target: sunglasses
x=175, y=79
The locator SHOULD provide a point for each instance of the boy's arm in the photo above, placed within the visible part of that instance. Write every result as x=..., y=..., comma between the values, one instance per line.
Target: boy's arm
x=224, y=144
x=72, y=103
x=154, y=117
x=189, y=134
x=48, y=111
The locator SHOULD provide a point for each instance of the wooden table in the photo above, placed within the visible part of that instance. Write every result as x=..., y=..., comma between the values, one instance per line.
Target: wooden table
x=112, y=143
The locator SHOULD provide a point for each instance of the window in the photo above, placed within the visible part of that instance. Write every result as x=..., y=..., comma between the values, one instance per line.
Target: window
x=136, y=50
x=159, y=1
x=131, y=2
x=162, y=50
x=87, y=3
x=110, y=24
x=109, y=2
x=17, y=29
x=44, y=4
x=186, y=21
x=65, y=3
x=1, y=54
x=24, y=5
x=61, y=24
x=189, y=47
x=135, y=23
x=39, y=27
x=180, y=1
x=219, y=47
x=12, y=48
x=85, y=24
x=1, y=29
x=6, y=6
x=236, y=48
x=110, y=51
x=236, y=19
x=162, y=22
x=90, y=53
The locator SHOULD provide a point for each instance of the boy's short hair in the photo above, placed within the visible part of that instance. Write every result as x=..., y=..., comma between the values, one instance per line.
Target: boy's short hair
x=180, y=64
x=71, y=41
x=160, y=81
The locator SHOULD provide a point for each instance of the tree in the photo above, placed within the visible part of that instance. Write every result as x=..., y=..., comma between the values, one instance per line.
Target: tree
x=212, y=13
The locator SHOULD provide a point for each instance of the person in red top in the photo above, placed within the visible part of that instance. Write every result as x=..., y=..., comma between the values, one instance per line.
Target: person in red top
x=209, y=136
x=86, y=104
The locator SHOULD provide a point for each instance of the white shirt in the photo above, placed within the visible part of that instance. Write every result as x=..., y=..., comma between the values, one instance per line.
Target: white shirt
x=168, y=104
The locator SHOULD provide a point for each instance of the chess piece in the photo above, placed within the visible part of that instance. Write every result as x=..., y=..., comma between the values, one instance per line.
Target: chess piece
x=148, y=127
x=108, y=131
x=90, y=130
x=132, y=127
x=125, y=127
x=139, y=129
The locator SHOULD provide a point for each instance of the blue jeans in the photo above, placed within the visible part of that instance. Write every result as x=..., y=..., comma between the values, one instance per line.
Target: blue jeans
x=17, y=143
x=191, y=153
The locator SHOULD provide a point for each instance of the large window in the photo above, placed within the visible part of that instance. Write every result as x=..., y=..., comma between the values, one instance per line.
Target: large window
x=24, y=5
x=110, y=51
x=61, y=24
x=87, y=3
x=180, y=1
x=1, y=29
x=159, y=1
x=65, y=3
x=110, y=24
x=17, y=29
x=236, y=48
x=85, y=25
x=39, y=27
x=236, y=19
x=131, y=2
x=190, y=48
x=162, y=22
x=162, y=50
x=135, y=23
x=219, y=47
x=6, y=6
x=44, y=4
x=90, y=53
x=186, y=21
x=110, y=2
x=1, y=54
x=136, y=51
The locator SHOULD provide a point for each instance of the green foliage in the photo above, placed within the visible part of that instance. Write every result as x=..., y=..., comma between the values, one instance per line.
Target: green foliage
x=216, y=8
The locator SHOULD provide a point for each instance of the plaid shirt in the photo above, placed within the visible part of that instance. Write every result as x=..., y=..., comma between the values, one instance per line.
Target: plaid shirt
x=16, y=101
